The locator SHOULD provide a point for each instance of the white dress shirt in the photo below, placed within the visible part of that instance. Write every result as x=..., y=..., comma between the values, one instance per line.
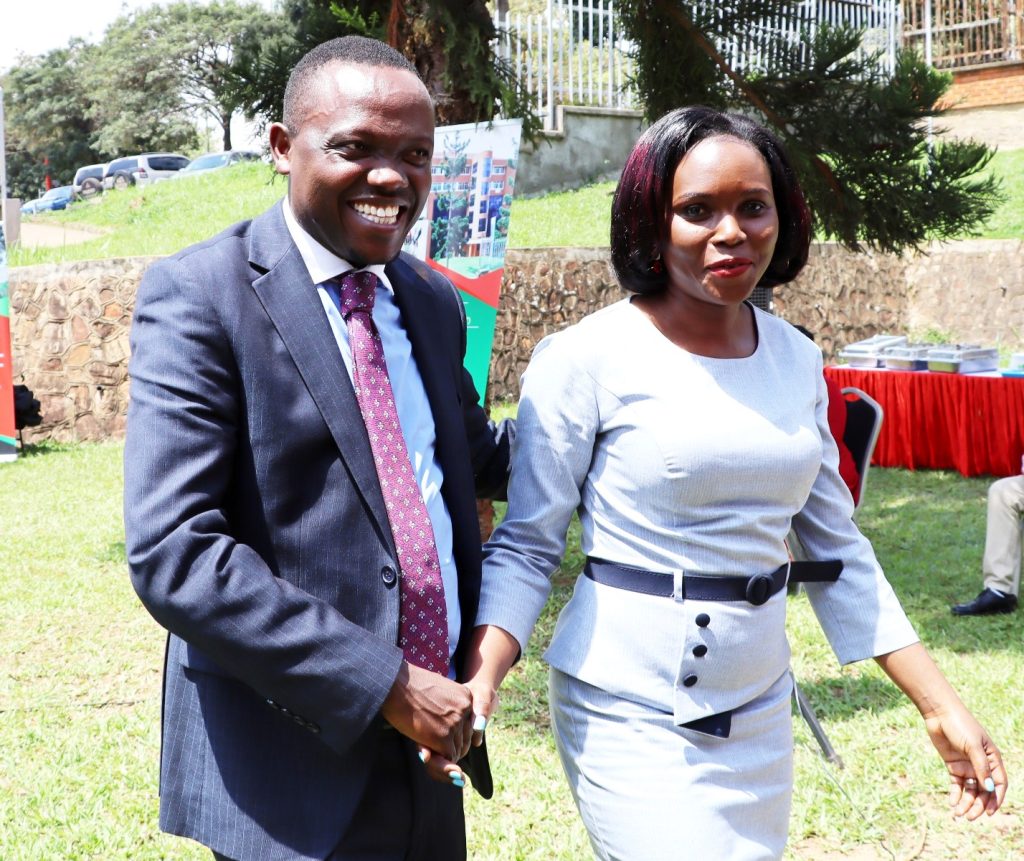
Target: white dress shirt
x=414, y=413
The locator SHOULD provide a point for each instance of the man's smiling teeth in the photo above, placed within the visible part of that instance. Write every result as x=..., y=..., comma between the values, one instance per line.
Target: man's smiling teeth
x=379, y=214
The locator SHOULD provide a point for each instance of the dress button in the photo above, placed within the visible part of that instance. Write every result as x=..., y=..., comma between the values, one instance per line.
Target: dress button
x=703, y=620
x=700, y=650
x=389, y=576
x=689, y=681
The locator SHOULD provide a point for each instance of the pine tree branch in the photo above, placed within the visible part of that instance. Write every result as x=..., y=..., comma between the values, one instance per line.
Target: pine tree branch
x=676, y=12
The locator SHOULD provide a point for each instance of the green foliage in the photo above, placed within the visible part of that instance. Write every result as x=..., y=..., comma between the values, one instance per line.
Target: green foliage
x=45, y=106
x=449, y=42
x=205, y=42
x=857, y=135
x=136, y=103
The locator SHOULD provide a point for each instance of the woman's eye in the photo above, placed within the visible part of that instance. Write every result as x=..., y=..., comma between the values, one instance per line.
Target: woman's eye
x=694, y=210
x=756, y=206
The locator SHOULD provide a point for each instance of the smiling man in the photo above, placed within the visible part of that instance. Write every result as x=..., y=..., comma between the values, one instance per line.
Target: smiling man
x=304, y=451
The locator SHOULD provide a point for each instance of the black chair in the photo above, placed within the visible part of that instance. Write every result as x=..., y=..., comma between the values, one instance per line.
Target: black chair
x=864, y=417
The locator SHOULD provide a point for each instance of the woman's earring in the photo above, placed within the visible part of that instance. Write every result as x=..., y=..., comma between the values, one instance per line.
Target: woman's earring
x=656, y=266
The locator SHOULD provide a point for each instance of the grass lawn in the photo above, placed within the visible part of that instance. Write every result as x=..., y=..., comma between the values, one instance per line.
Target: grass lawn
x=164, y=218
x=80, y=698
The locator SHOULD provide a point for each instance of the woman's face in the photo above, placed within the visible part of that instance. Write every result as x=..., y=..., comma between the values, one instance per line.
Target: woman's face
x=723, y=222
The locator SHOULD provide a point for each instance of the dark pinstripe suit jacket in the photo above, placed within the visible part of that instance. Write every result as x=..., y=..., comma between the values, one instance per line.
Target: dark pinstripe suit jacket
x=257, y=533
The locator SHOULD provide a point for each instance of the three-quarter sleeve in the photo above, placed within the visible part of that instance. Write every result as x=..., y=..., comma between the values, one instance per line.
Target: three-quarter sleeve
x=557, y=424
x=859, y=614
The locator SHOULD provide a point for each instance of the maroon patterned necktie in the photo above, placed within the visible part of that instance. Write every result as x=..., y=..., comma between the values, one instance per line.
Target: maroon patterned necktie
x=423, y=626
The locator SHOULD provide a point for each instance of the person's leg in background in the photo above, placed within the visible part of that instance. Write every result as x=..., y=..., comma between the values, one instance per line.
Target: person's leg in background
x=1001, y=561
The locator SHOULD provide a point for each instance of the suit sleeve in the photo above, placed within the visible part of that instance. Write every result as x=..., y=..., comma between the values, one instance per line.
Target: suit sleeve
x=192, y=574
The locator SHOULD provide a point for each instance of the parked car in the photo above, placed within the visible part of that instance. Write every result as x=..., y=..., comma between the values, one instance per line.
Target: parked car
x=88, y=180
x=55, y=198
x=142, y=169
x=216, y=160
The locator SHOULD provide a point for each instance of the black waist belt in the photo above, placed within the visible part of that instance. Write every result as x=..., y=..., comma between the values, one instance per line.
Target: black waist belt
x=756, y=589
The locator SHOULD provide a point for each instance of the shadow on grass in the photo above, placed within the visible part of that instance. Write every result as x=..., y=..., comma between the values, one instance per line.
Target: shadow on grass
x=31, y=450
x=928, y=531
x=842, y=698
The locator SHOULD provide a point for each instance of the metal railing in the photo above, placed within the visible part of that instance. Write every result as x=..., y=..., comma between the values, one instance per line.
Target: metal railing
x=879, y=21
x=959, y=34
x=576, y=54
x=572, y=54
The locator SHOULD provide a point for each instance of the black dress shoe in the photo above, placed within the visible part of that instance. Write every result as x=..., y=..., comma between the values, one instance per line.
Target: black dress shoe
x=987, y=602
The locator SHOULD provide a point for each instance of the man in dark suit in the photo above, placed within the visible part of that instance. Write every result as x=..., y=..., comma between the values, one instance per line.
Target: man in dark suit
x=300, y=718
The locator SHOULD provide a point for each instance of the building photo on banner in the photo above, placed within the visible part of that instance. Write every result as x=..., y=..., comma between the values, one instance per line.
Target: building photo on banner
x=463, y=229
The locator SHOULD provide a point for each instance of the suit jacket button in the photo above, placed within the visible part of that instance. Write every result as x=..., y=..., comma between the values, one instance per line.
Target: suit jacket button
x=703, y=620
x=389, y=576
x=689, y=681
x=700, y=650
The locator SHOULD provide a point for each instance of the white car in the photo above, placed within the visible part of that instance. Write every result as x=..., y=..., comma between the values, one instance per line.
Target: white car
x=142, y=169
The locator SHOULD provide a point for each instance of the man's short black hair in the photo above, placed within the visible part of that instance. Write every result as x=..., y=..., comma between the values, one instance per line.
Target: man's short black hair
x=347, y=49
x=640, y=210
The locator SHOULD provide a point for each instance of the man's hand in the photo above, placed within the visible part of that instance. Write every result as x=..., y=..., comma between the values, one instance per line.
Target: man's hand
x=433, y=711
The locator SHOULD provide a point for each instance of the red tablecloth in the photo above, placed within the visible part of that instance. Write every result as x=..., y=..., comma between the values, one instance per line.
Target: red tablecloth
x=968, y=422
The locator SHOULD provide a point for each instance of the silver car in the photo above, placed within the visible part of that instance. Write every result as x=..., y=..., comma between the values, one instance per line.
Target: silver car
x=142, y=169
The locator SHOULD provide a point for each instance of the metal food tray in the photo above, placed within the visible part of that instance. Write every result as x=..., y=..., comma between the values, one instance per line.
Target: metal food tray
x=963, y=359
x=868, y=353
x=908, y=357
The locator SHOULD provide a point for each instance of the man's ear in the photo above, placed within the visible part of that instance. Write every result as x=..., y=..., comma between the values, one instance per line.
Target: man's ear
x=280, y=147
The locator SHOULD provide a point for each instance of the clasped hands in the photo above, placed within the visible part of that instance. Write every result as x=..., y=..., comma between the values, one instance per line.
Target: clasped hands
x=443, y=717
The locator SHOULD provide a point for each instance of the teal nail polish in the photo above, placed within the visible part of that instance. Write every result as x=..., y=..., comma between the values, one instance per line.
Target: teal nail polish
x=458, y=782
x=479, y=723
x=990, y=784
x=422, y=755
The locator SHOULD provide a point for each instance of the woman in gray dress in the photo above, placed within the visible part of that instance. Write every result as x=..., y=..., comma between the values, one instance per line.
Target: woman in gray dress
x=689, y=430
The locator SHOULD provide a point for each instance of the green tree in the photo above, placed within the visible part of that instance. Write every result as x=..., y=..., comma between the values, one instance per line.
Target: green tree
x=205, y=44
x=137, y=90
x=858, y=134
x=48, y=129
x=449, y=42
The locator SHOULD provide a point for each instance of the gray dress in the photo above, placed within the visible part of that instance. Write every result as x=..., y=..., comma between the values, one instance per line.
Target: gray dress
x=678, y=463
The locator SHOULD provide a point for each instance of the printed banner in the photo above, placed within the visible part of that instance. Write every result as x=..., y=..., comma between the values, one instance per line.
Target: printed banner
x=8, y=443
x=463, y=229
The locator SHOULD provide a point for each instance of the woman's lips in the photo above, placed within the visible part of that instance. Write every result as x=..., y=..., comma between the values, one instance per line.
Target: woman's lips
x=730, y=268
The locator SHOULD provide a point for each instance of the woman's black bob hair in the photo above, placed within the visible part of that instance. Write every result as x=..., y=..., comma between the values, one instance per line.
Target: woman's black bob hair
x=640, y=210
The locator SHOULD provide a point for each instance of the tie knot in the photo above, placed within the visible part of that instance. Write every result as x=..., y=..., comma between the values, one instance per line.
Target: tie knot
x=358, y=290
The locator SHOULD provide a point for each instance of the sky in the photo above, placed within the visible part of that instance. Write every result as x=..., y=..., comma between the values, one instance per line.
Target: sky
x=33, y=27
x=37, y=26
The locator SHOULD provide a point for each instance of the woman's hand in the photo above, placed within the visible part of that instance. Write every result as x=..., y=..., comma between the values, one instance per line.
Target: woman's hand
x=485, y=704
x=977, y=775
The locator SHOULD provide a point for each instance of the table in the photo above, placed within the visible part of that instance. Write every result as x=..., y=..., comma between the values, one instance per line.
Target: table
x=973, y=423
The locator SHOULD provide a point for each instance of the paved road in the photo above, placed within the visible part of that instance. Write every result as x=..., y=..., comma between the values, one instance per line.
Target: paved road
x=52, y=235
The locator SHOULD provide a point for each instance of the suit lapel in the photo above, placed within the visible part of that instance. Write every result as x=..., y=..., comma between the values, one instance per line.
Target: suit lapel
x=293, y=304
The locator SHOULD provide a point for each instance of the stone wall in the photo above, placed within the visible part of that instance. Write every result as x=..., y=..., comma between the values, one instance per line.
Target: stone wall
x=69, y=328
x=70, y=322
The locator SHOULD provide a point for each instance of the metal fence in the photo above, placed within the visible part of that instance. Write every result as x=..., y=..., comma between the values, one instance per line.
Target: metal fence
x=957, y=34
x=573, y=54
x=880, y=23
x=576, y=54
